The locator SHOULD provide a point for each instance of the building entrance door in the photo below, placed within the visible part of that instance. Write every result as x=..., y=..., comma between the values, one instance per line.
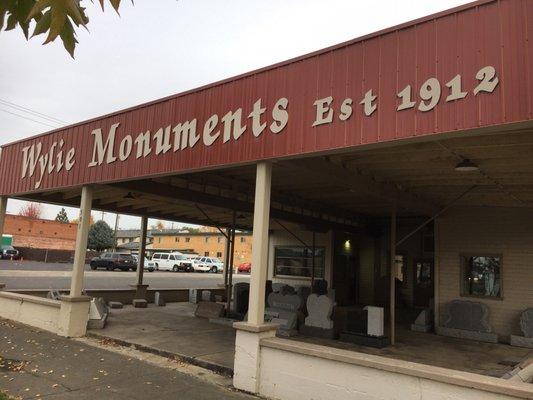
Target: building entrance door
x=423, y=282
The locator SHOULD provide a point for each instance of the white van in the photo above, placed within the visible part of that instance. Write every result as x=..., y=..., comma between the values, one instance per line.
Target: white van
x=174, y=261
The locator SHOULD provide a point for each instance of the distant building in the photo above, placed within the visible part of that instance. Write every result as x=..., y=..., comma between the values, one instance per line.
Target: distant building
x=209, y=242
x=40, y=233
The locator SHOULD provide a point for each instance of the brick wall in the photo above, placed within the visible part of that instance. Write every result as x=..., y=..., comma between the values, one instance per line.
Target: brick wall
x=489, y=231
x=40, y=233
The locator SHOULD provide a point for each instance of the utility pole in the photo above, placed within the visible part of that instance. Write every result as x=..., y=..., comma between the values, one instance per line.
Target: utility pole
x=116, y=229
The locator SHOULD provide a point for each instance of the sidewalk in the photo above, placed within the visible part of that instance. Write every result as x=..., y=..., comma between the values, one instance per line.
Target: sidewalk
x=173, y=331
x=37, y=364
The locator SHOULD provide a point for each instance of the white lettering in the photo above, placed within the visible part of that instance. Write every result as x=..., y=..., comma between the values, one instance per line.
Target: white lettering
x=30, y=158
x=255, y=115
x=51, y=152
x=162, y=140
x=69, y=162
x=232, y=123
x=324, y=114
x=185, y=133
x=143, y=144
x=209, y=127
x=346, y=109
x=367, y=102
x=279, y=115
x=100, y=150
x=124, y=150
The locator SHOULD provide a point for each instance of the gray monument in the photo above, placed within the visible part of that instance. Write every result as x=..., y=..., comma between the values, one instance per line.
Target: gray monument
x=318, y=322
x=284, y=309
x=526, y=326
x=423, y=322
x=98, y=313
x=467, y=320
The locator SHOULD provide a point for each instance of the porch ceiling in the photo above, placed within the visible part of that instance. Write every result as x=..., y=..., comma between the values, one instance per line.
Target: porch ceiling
x=341, y=191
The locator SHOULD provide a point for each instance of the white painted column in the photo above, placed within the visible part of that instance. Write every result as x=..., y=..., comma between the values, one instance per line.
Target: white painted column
x=78, y=269
x=74, y=311
x=247, y=365
x=256, y=304
x=3, y=208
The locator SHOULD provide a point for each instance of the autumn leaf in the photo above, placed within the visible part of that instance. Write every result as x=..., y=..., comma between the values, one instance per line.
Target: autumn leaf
x=57, y=18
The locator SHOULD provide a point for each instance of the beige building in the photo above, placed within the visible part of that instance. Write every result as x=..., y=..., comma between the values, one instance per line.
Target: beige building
x=209, y=242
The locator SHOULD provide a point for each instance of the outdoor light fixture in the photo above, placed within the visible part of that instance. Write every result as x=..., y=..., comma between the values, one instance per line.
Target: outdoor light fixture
x=129, y=196
x=466, y=166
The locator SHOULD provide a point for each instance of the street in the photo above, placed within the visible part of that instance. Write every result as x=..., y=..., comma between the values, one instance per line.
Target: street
x=39, y=275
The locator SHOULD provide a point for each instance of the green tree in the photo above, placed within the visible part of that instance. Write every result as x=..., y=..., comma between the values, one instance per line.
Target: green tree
x=62, y=216
x=101, y=236
x=54, y=17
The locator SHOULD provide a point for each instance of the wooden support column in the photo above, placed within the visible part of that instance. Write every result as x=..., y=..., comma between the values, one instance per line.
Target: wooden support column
x=142, y=250
x=393, y=276
x=256, y=305
x=76, y=284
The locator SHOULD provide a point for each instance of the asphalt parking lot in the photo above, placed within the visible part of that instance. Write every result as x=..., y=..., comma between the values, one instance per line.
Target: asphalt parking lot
x=39, y=275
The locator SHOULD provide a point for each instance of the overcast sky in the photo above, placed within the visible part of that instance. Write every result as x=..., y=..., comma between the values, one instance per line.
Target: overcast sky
x=158, y=48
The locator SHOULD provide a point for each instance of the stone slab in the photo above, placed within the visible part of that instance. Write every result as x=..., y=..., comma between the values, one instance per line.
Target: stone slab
x=97, y=323
x=209, y=309
x=526, y=323
x=521, y=341
x=365, y=340
x=140, y=303
x=194, y=296
x=115, y=304
x=467, y=334
x=467, y=315
x=207, y=295
x=420, y=328
x=290, y=302
x=318, y=332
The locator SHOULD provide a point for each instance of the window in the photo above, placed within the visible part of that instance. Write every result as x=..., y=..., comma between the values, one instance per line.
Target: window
x=176, y=239
x=187, y=239
x=481, y=275
x=156, y=256
x=171, y=257
x=219, y=254
x=164, y=256
x=219, y=240
x=206, y=253
x=159, y=240
x=243, y=239
x=298, y=261
x=206, y=239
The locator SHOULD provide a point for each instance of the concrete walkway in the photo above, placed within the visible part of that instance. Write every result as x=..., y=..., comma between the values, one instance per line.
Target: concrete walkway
x=36, y=364
x=173, y=331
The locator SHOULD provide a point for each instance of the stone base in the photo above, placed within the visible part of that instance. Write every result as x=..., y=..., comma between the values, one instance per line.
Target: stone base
x=115, y=304
x=97, y=323
x=140, y=303
x=464, y=334
x=365, y=340
x=318, y=332
x=420, y=328
x=208, y=309
x=521, y=341
x=140, y=291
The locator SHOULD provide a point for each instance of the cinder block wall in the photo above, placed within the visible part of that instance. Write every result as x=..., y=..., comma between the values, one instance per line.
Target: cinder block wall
x=489, y=230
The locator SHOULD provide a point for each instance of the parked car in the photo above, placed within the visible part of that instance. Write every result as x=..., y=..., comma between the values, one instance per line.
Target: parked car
x=174, y=261
x=8, y=252
x=245, y=268
x=111, y=261
x=207, y=264
x=146, y=261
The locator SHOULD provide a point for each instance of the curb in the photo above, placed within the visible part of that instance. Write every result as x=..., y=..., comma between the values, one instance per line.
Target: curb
x=219, y=369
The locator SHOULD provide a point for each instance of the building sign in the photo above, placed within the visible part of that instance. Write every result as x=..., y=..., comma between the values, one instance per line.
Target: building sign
x=453, y=72
x=232, y=125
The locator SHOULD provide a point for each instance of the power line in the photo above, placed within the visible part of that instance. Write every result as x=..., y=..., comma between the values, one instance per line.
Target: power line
x=28, y=118
x=33, y=112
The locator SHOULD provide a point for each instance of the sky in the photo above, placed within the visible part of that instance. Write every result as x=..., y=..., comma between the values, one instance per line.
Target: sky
x=156, y=48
